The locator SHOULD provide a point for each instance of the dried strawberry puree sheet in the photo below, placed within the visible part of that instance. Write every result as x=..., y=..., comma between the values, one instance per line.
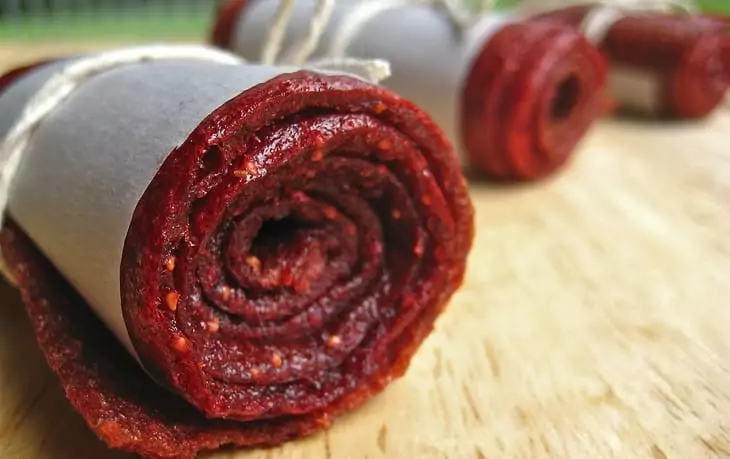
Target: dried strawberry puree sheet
x=661, y=65
x=514, y=95
x=221, y=254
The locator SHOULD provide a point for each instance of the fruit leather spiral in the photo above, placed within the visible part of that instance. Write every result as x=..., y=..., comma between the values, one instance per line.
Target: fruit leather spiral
x=230, y=254
x=514, y=96
x=661, y=65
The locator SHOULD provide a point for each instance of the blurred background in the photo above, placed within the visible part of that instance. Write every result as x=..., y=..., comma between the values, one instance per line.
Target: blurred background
x=132, y=19
x=118, y=19
x=135, y=19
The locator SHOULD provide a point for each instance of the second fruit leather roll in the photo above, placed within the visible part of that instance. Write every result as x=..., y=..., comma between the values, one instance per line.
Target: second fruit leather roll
x=270, y=244
x=661, y=65
x=514, y=96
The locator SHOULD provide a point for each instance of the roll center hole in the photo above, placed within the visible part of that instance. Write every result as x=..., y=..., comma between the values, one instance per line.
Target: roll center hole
x=566, y=98
x=279, y=237
x=288, y=252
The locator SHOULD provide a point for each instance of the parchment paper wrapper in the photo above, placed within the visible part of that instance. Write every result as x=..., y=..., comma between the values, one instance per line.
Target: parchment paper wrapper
x=261, y=238
x=514, y=96
x=661, y=64
x=92, y=159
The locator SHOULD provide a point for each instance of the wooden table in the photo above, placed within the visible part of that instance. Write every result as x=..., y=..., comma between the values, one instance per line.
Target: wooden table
x=594, y=323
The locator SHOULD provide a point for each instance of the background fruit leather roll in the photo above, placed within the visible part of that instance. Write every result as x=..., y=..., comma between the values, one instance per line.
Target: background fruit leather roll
x=515, y=96
x=271, y=245
x=661, y=64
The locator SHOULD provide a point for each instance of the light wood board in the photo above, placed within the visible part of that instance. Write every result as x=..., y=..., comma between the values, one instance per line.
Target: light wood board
x=594, y=323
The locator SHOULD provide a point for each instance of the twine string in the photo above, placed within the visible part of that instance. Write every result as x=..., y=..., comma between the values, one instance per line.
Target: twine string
x=61, y=85
x=600, y=19
x=364, y=12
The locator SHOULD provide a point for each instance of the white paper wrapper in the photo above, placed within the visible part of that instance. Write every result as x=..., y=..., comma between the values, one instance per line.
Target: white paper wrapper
x=633, y=88
x=90, y=161
x=430, y=58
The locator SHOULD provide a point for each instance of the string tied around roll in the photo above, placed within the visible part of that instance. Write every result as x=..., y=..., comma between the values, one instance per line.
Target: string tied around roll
x=62, y=85
x=632, y=5
x=600, y=19
x=374, y=70
x=336, y=56
x=70, y=77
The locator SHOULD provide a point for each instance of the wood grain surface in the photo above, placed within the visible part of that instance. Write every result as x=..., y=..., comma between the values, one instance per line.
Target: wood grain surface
x=594, y=323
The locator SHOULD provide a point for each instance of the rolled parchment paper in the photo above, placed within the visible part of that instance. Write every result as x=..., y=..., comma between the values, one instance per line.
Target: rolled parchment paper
x=514, y=96
x=271, y=244
x=661, y=64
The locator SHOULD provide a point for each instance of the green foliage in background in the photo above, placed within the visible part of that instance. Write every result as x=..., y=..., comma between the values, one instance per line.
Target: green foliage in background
x=152, y=23
x=717, y=6
x=162, y=22
x=78, y=27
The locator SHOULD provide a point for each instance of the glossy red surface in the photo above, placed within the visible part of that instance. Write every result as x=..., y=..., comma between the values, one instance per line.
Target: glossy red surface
x=284, y=265
x=688, y=55
x=532, y=94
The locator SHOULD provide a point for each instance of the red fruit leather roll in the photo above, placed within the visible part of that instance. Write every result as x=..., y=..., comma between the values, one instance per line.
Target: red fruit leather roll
x=270, y=244
x=515, y=96
x=661, y=65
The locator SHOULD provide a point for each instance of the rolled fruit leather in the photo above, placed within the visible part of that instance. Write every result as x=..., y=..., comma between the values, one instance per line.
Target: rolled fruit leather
x=514, y=96
x=661, y=64
x=222, y=254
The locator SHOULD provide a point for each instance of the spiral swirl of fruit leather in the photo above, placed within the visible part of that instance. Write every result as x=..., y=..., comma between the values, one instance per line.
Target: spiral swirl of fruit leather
x=514, y=96
x=665, y=65
x=283, y=264
x=532, y=95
